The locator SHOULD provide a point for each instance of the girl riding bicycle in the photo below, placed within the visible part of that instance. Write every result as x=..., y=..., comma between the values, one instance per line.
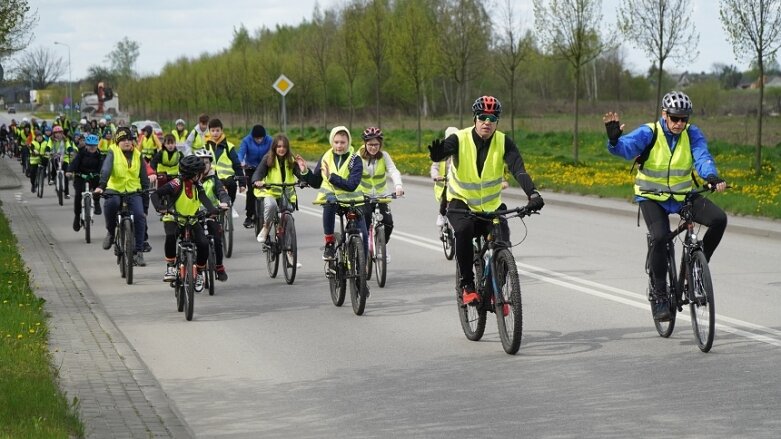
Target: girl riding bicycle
x=219, y=197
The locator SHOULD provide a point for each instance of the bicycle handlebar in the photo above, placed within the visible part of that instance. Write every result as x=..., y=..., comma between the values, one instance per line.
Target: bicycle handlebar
x=507, y=213
x=705, y=188
x=379, y=198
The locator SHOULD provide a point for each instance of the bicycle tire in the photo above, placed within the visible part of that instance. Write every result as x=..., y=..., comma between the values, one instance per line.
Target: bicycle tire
x=272, y=250
x=86, y=214
x=702, y=305
x=40, y=180
x=180, y=276
x=119, y=251
x=448, y=242
x=665, y=329
x=472, y=318
x=334, y=282
x=290, y=250
x=508, y=307
x=370, y=257
x=129, y=244
x=211, y=267
x=227, y=237
x=189, y=286
x=60, y=187
x=381, y=261
x=357, y=274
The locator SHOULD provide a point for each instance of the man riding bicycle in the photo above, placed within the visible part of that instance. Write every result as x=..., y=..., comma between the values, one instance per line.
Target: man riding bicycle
x=669, y=151
x=479, y=154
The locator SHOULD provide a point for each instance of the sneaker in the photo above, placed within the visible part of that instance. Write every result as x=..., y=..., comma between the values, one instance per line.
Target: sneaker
x=387, y=256
x=77, y=223
x=138, y=259
x=147, y=247
x=440, y=220
x=98, y=210
x=329, y=252
x=469, y=296
x=661, y=307
x=199, y=281
x=263, y=235
x=248, y=223
x=505, y=307
x=222, y=276
x=170, y=273
x=108, y=241
x=67, y=197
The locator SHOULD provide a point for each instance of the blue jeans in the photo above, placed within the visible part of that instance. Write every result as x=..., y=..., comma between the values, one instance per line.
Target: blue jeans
x=110, y=209
x=329, y=223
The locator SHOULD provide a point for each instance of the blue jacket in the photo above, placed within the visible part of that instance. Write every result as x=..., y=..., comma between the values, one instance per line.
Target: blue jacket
x=251, y=152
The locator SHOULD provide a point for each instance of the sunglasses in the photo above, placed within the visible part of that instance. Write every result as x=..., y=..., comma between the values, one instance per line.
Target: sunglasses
x=487, y=117
x=676, y=119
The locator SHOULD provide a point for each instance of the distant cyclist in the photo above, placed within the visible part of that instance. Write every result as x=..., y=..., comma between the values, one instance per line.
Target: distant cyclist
x=86, y=163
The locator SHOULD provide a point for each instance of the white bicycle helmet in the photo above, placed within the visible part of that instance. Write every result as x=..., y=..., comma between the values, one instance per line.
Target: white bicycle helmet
x=204, y=152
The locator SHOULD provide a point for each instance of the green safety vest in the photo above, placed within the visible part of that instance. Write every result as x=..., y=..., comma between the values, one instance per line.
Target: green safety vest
x=169, y=162
x=665, y=169
x=223, y=164
x=124, y=178
x=481, y=193
x=275, y=176
x=376, y=184
x=327, y=189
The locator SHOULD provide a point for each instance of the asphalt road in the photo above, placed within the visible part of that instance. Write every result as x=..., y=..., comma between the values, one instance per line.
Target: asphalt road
x=262, y=358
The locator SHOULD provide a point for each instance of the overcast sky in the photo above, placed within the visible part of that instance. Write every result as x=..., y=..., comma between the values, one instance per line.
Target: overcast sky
x=168, y=29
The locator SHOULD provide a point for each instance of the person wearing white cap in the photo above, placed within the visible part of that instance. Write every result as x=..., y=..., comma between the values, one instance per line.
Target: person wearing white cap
x=438, y=174
x=180, y=134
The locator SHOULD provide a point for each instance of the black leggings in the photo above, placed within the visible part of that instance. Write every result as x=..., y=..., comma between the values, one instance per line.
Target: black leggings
x=658, y=222
x=79, y=185
x=466, y=228
x=172, y=231
x=387, y=218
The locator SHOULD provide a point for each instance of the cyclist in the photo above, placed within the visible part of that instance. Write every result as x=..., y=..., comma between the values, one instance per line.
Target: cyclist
x=252, y=150
x=39, y=156
x=377, y=166
x=226, y=160
x=123, y=171
x=166, y=161
x=183, y=195
x=86, y=162
x=180, y=134
x=105, y=143
x=63, y=148
x=219, y=197
x=278, y=166
x=675, y=148
x=479, y=154
x=337, y=175
x=148, y=143
x=438, y=174
x=198, y=135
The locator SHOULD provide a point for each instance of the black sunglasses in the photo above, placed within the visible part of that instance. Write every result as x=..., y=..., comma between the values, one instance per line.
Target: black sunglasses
x=676, y=119
x=487, y=117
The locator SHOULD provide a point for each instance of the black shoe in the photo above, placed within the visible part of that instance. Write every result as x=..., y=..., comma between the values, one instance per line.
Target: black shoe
x=249, y=223
x=222, y=276
x=661, y=311
x=76, y=224
x=147, y=247
x=329, y=252
x=32, y=189
x=98, y=210
x=67, y=197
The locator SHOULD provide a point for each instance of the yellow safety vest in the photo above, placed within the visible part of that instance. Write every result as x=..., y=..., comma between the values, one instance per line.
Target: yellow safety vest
x=38, y=147
x=275, y=176
x=665, y=169
x=376, y=184
x=169, y=162
x=148, y=147
x=104, y=145
x=327, y=189
x=439, y=186
x=223, y=164
x=208, y=187
x=124, y=178
x=199, y=141
x=483, y=192
x=179, y=139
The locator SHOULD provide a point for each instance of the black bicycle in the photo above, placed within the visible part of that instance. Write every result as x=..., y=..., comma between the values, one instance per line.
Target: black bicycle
x=225, y=218
x=692, y=285
x=281, y=242
x=349, y=262
x=186, y=268
x=59, y=180
x=496, y=280
x=124, y=236
x=378, y=257
x=211, y=262
x=86, y=205
x=40, y=178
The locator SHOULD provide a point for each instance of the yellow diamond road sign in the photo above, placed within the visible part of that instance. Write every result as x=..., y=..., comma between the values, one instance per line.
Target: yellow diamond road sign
x=283, y=85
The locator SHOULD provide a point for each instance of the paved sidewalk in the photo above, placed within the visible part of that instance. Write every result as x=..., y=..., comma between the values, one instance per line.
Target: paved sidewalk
x=118, y=397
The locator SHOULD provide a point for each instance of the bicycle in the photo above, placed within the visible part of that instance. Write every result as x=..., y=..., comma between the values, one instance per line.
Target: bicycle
x=124, y=236
x=692, y=285
x=211, y=264
x=186, y=268
x=59, y=179
x=281, y=242
x=349, y=263
x=446, y=234
x=86, y=205
x=40, y=178
x=377, y=254
x=496, y=280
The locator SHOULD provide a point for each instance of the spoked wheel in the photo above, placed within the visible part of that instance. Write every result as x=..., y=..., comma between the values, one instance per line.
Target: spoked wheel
x=702, y=306
x=336, y=276
x=665, y=329
x=508, y=309
x=129, y=245
x=380, y=258
x=448, y=242
x=272, y=251
x=60, y=186
x=40, y=181
x=211, y=267
x=119, y=242
x=227, y=231
x=289, y=250
x=356, y=273
x=180, y=276
x=372, y=252
x=86, y=215
x=189, y=286
x=472, y=317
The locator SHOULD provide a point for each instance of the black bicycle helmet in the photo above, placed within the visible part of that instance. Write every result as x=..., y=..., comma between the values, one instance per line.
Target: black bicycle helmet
x=191, y=166
x=371, y=133
x=677, y=103
x=487, y=105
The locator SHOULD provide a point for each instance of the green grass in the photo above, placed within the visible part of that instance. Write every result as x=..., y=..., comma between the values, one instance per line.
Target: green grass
x=31, y=405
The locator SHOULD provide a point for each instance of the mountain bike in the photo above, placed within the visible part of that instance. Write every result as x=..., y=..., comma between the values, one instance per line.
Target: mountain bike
x=377, y=254
x=40, y=178
x=692, y=285
x=281, y=242
x=211, y=261
x=225, y=218
x=86, y=204
x=59, y=181
x=496, y=281
x=186, y=268
x=124, y=236
x=349, y=263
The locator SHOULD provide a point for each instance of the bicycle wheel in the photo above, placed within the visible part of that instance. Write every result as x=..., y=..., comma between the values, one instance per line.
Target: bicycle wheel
x=448, y=241
x=227, y=237
x=372, y=252
x=357, y=274
x=272, y=252
x=129, y=246
x=60, y=186
x=665, y=329
x=702, y=306
x=211, y=267
x=507, y=306
x=189, y=285
x=41, y=180
x=472, y=318
x=119, y=251
x=381, y=262
x=86, y=215
x=289, y=250
x=179, y=282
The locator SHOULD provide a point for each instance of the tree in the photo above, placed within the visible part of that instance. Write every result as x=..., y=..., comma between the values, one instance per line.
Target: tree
x=16, y=24
x=511, y=49
x=754, y=29
x=349, y=52
x=729, y=76
x=372, y=31
x=662, y=29
x=96, y=73
x=569, y=29
x=323, y=24
x=40, y=67
x=123, y=57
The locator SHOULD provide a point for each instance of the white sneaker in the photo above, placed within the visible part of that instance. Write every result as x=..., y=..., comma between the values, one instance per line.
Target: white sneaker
x=199, y=281
x=170, y=274
x=263, y=235
x=387, y=256
x=440, y=220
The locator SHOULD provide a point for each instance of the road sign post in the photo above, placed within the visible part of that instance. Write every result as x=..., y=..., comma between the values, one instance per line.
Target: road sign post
x=283, y=86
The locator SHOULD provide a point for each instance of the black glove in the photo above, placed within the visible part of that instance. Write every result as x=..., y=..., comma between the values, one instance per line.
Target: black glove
x=613, y=129
x=535, y=202
x=437, y=148
x=713, y=181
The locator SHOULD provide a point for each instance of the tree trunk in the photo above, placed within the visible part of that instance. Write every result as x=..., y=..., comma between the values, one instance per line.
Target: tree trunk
x=577, y=108
x=758, y=152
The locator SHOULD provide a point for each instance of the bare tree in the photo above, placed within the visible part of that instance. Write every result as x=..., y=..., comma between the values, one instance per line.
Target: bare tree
x=754, y=29
x=662, y=29
x=16, y=24
x=569, y=30
x=511, y=48
x=40, y=67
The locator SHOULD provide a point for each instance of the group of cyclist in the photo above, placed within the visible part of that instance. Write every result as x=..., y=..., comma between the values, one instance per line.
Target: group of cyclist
x=200, y=169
